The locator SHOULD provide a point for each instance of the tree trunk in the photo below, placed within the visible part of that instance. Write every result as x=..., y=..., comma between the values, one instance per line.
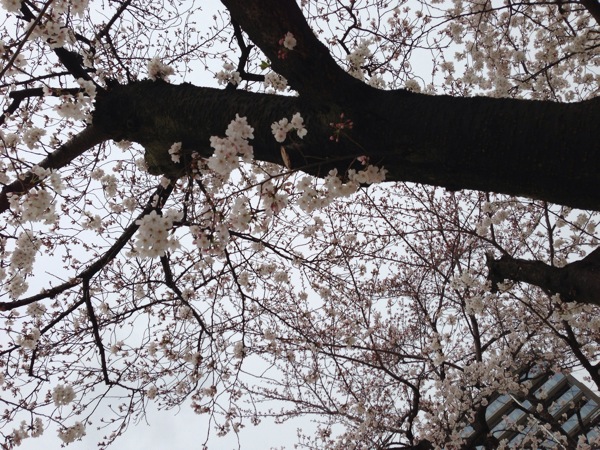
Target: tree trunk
x=541, y=150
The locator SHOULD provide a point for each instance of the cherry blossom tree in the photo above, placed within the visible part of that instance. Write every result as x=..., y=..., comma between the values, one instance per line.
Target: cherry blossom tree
x=376, y=214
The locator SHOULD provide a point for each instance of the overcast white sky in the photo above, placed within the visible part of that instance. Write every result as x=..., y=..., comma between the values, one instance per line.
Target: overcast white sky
x=176, y=430
x=182, y=428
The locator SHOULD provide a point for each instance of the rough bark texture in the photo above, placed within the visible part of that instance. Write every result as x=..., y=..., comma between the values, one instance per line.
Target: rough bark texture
x=578, y=281
x=535, y=149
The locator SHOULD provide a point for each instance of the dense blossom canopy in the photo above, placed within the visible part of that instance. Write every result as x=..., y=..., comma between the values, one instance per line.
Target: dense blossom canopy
x=195, y=211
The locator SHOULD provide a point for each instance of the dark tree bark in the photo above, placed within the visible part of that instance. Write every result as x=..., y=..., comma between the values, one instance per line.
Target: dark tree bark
x=535, y=149
x=578, y=281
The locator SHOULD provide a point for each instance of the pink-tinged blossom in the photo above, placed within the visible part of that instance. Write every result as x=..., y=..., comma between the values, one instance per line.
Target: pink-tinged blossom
x=29, y=340
x=32, y=136
x=175, y=152
x=153, y=239
x=11, y=5
x=289, y=41
x=273, y=200
x=298, y=124
x=109, y=183
x=230, y=149
x=238, y=350
x=275, y=81
x=152, y=392
x=240, y=217
x=412, y=85
x=23, y=255
x=228, y=75
x=358, y=58
x=21, y=433
x=36, y=310
x=75, y=107
x=372, y=174
x=63, y=395
x=281, y=128
x=71, y=434
x=37, y=206
x=78, y=7
x=53, y=31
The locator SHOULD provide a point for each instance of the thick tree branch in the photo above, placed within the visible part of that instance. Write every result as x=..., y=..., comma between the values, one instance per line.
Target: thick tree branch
x=593, y=7
x=45, y=293
x=524, y=144
x=309, y=67
x=535, y=149
x=578, y=281
x=18, y=97
x=62, y=156
x=246, y=49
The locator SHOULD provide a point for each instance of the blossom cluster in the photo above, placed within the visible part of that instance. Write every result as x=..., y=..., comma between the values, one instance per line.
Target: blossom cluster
x=175, y=152
x=11, y=5
x=29, y=340
x=281, y=128
x=157, y=70
x=240, y=216
x=358, y=57
x=228, y=75
x=109, y=181
x=77, y=107
x=36, y=310
x=153, y=238
x=53, y=31
x=21, y=263
x=275, y=81
x=18, y=434
x=76, y=7
x=152, y=392
x=72, y=433
x=273, y=200
x=4, y=178
x=371, y=174
x=412, y=85
x=288, y=41
x=229, y=149
x=32, y=136
x=63, y=395
x=238, y=350
x=313, y=199
x=36, y=205
x=211, y=241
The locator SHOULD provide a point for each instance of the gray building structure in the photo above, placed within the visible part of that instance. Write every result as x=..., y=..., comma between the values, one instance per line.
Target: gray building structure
x=572, y=405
